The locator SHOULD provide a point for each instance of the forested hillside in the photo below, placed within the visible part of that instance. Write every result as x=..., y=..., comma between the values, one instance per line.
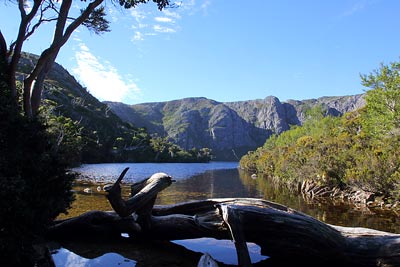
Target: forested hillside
x=87, y=131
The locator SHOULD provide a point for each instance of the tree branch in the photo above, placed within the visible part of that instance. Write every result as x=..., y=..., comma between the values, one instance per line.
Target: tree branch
x=16, y=47
x=41, y=20
x=143, y=197
x=232, y=218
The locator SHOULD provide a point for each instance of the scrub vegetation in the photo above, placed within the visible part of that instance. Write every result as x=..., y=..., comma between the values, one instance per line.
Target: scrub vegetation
x=361, y=149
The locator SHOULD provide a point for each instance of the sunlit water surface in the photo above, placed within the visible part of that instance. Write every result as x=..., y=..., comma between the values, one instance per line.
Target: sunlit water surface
x=194, y=181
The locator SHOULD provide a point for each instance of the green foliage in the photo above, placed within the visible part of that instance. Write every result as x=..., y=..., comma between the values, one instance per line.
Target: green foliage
x=165, y=151
x=133, y=3
x=361, y=149
x=34, y=184
x=331, y=151
x=65, y=135
x=383, y=101
x=96, y=22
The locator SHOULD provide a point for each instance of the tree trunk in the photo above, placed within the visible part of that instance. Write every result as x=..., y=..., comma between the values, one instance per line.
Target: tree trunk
x=33, y=84
x=282, y=233
x=37, y=86
x=4, y=86
x=16, y=47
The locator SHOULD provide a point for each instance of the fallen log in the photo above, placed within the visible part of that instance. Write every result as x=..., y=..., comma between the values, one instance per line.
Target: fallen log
x=282, y=233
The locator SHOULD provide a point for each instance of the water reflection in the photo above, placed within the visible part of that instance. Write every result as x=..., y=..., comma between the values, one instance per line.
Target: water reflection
x=123, y=252
x=127, y=252
x=337, y=212
x=108, y=172
x=236, y=183
x=68, y=258
x=210, y=184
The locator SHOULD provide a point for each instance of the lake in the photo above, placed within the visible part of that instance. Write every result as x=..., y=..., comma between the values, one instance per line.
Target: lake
x=194, y=181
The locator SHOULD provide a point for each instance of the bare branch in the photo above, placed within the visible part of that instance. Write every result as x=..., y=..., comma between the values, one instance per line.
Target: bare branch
x=16, y=47
x=41, y=20
x=21, y=7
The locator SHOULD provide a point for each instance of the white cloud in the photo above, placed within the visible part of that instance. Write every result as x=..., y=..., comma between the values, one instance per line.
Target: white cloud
x=163, y=19
x=138, y=15
x=354, y=9
x=204, y=6
x=159, y=28
x=74, y=260
x=151, y=23
x=188, y=4
x=169, y=13
x=76, y=38
x=101, y=78
x=112, y=12
x=138, y=36
x=67, y=258
x=357, y=7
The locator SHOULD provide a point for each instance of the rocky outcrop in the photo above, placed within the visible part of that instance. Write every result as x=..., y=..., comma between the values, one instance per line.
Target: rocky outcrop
x=271, y=114
x=230, y=129
x=196, y=123
x=268, y=113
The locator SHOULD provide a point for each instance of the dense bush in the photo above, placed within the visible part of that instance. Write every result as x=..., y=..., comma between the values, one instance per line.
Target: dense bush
x=91, y=136
x=361, y=148
x=34, y=184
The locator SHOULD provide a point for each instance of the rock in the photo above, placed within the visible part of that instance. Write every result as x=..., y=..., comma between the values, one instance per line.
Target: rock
x=87, y=190
x=230, y=129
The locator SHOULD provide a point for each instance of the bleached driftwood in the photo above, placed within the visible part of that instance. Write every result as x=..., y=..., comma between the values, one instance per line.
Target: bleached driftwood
x=284, y=234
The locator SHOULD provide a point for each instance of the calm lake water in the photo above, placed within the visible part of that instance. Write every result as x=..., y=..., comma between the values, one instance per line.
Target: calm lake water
x=195, y=181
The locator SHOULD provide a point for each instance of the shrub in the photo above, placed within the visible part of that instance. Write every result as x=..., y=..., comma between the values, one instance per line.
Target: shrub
x=34, y=184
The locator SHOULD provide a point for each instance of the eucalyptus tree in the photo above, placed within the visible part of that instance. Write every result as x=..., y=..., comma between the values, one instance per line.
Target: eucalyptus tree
x=34, y=14
x=383, y=100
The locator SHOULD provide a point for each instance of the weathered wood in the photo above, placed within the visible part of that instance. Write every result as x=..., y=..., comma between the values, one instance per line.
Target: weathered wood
x=281, y=232
x=233, y=219
x=147, y=191
x=94, y=224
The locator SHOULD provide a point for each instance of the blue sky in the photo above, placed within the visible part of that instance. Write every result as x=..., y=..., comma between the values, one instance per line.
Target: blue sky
x=228, y=50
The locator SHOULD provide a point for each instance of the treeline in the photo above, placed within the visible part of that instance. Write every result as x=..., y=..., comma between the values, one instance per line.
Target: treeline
x=112, y=141
x=360, y=149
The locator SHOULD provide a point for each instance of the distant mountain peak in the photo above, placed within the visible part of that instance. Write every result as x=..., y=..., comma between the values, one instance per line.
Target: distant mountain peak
x=230, y=129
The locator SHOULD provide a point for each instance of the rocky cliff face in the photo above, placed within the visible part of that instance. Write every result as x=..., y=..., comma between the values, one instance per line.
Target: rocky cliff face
x=196, y=122
x=229, y=129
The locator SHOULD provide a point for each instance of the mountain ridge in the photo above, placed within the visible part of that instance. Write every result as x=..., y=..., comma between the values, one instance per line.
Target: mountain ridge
x=230, y=129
